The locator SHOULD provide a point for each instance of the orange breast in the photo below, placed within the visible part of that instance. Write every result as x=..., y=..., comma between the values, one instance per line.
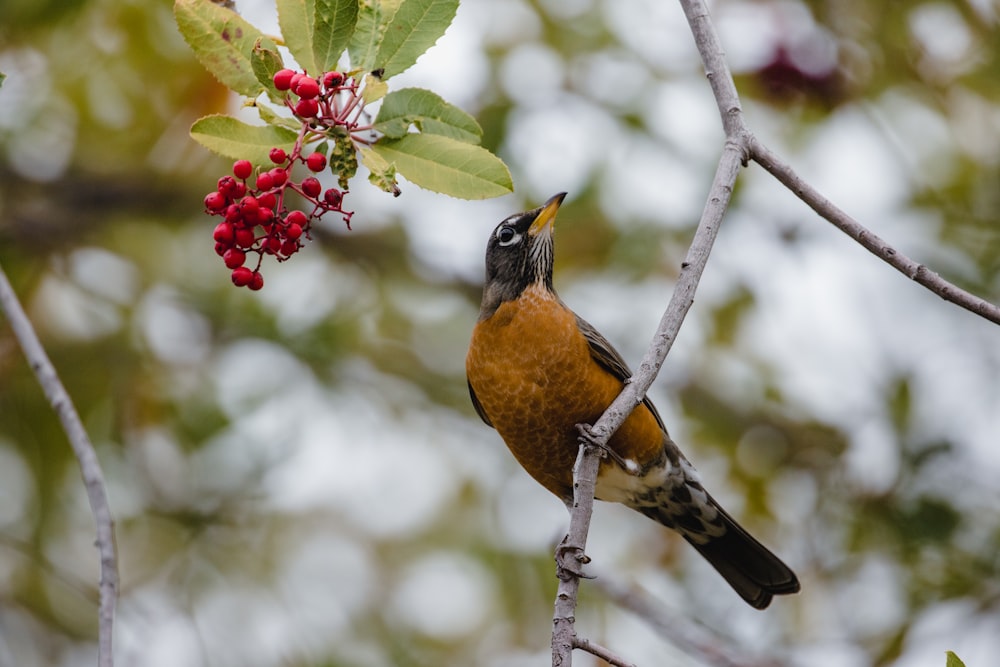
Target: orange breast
x=533, y=374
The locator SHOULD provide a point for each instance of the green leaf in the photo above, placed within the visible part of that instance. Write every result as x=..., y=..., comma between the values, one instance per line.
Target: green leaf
x=317, y=31
x=448, y=166
x=414, y=28
x=271, y=117
x=235, y=139
x=222, y=41
x=953, y=660
x=429, y=112
x=333, y=25
x=3, y=77
x=265, y=62
x=383, y=172
x=295, y=18
x=373, y=18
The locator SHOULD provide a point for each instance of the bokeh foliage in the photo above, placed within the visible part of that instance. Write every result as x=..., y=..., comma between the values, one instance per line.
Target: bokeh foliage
x=298, y=477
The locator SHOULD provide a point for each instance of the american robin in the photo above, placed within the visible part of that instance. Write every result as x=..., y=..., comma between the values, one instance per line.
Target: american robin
x=536, y=370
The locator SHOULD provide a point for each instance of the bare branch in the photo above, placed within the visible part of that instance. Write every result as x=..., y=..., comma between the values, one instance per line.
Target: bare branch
x=90, y=467
x=604, y=654
x=872, y=242
x=689, y=637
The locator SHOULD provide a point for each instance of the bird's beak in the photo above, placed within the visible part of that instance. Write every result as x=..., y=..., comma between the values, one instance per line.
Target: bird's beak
x=546, y=215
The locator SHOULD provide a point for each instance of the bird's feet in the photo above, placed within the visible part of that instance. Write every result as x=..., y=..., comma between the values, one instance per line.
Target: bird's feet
x=570, y=560
x=587, y=437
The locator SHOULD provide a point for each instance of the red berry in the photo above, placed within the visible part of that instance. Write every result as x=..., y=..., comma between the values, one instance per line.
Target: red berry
x=277, y=155
x=215, y=201
x=243, y=238
x=283, y=79
x=242, y=169
x=311, y=187
x=293, y=232
x=239, y=190
x=272, y=245
x=249, y=205
x=221, y=248
x=265, y=216
x=267, y=200
x=233, y=213
x=223, y=233
x=308, y=88
x=296, y=218
x=256, y=281
x=316, y=162
x=307, y=109
x=234, y=258
x=332, y=197
x=227, y=185
x=264, y=181
x=278, y=176
x=332, y=79
x=289, y=248
x=294, y=81
x=242, y=276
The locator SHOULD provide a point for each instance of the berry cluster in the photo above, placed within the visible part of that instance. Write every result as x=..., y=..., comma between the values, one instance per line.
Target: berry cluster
x=256, y=218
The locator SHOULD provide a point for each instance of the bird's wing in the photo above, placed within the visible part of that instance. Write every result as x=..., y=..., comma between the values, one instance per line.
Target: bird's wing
x=609, y=359
x=478, y=406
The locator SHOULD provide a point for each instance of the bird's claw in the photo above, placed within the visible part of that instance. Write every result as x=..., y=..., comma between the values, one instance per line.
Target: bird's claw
x=587, y=437
x=570, y=560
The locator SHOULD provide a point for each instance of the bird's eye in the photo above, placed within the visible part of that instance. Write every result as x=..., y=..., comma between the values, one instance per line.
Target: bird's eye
x=507, y=236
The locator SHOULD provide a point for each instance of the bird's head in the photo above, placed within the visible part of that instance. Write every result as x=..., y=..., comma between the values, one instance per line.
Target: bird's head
x=519, y=254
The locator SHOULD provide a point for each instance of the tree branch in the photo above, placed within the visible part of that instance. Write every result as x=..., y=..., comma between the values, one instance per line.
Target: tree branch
x=90, y=467
x=869, y=240
x=604, y=654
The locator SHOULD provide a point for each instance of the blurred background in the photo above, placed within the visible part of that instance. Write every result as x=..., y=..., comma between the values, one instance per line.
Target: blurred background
x=297, y=474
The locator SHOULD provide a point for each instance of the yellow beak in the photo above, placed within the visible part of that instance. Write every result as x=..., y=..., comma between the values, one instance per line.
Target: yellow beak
x=546, y=216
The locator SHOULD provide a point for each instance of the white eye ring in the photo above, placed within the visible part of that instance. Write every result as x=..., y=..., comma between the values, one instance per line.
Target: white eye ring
x=507, y=236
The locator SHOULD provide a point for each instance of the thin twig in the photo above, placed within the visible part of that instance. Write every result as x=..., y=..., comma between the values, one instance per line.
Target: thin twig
x=90, y=467
x=689, y=637
x=826, y=209
x=603, y=653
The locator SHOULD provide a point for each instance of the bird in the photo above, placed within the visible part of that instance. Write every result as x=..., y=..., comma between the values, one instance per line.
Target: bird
x=538, y=372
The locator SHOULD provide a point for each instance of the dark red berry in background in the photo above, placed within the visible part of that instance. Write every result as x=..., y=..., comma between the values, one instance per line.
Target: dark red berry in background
x=264, y=181
x=308, y=88
x=256, y=281
x=289, y=248
x=296, y=218
x=272, y=245
x=311, y=187
x=223, y=233
x=215, y=201
x=234, y=258
x=278, y=176
x=307, y=109
x=293, y=232
x=283, y=79
x=242, y=276
x=277, y=155
x=332, y=197
x=242, y=169
x=316, y=162
x=332, y=79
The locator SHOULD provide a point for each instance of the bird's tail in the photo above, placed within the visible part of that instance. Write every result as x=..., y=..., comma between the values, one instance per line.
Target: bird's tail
x=749, y=567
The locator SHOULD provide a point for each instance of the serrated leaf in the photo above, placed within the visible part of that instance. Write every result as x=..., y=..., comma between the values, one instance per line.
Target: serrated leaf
x=383, y=173
x=295, y=18
x=271, y=117
x=952, y=660
x=235, y=139
x=414, y=28
x=265, y=62
x=446, y=165
x=375, y=89
x=428, y=112
x=222, y=41
x=333, y=25
x=3, y=77
x=373, y=17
